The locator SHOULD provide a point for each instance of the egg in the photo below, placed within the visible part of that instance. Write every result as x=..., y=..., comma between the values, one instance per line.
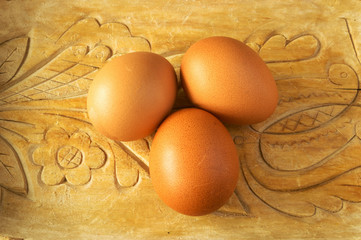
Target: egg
x=193, y=162
x=227, y=78
x=131, y=95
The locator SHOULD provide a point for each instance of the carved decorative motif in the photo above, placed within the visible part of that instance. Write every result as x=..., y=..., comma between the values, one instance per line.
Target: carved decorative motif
x=303, y=158
x=67, y=158
x=300, y=170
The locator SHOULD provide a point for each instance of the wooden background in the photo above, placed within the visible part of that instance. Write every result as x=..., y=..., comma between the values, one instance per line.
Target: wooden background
x=300, y=175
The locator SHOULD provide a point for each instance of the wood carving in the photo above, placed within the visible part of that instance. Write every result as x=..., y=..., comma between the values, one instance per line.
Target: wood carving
x=67, y=158
x=302, y=163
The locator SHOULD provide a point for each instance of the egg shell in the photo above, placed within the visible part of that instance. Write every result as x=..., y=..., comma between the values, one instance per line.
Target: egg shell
x=227, y=78
x=193, y=162
x=131, y=95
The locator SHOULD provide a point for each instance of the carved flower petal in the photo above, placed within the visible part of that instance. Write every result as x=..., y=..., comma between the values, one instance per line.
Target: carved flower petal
x=52, y=175
x=80, y=139
x=79, y=175
x=95, y=157
x=56, y=136
x=40, y=155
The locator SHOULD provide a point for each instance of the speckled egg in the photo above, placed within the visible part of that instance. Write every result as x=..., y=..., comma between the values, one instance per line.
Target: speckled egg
x=227, y=78
x=193, y=162
x=131, y=95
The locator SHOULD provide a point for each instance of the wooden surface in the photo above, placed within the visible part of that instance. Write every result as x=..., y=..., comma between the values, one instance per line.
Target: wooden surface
x=300, y=175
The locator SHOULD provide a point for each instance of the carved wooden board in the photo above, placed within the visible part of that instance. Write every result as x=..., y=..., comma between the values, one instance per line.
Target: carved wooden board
x=300, y=175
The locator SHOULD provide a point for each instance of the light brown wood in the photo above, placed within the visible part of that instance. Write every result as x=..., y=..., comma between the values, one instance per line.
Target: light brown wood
x=300, y=175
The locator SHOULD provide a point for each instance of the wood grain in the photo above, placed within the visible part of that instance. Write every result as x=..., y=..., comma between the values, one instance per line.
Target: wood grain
x=300, y=175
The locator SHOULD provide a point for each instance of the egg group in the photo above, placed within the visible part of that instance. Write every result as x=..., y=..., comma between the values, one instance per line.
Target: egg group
x=193, y=164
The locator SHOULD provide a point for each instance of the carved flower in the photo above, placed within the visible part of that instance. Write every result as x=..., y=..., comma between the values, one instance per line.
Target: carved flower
x=67, y=158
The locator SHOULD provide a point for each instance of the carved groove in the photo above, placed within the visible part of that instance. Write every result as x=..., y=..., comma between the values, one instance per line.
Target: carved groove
x=351, y=38
x=311, y=110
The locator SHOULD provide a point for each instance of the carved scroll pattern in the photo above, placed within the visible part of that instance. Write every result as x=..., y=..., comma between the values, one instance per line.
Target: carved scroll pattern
x=303, y=158
x=42, y=110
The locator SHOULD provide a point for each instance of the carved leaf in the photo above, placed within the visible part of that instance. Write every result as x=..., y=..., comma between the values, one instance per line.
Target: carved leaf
x=126, y=172
x=305, y=120
x=140, y=149
x=12, y=54
x=280, y=49
x=284, y=150
x=310, y=113
x=327, y=194
x=104, y=34
x=307, y=103
x=12, y=175
x=68, y=74
x=298, y=173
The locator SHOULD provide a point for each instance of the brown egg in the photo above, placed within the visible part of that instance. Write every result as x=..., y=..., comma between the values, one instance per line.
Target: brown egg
x=193, y=162
x=226, y=77
x=131, y=95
